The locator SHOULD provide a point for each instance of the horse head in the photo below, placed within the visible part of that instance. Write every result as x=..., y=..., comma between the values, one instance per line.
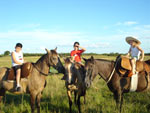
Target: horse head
x=52, y=57
x=69, y=70
x=90, y=71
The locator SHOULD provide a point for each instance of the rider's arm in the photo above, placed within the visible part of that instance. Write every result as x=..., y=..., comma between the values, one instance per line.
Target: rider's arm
x=82, y=48
x=142, y=52
x=14, y=59
x=129, y=52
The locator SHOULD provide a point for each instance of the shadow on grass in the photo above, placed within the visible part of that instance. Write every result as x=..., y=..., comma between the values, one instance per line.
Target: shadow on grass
x=56, y=107
x=16, y=99
x=48, y=105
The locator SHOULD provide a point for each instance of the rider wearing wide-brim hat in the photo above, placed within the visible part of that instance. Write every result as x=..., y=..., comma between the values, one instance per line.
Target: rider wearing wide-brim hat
x=135, y=51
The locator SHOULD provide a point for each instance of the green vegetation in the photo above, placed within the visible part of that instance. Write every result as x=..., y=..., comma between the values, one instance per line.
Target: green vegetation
x=98, y=99
x=6, y=53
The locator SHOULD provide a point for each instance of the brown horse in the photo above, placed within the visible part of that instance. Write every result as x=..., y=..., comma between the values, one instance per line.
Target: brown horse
x=36, y=81
x=116, y=82
x=74, y=82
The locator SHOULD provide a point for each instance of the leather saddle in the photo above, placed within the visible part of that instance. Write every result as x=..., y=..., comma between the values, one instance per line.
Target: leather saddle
x=25, y=71
x=125, y=65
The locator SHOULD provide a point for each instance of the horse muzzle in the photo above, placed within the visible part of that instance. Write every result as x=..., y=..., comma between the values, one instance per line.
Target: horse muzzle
x=87, y=84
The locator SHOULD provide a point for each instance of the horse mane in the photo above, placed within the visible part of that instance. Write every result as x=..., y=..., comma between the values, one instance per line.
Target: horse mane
x=105, y=60
x=80, y=68
x=67, y=60
x=42, y=58
x=110, y=60
x=78, y=65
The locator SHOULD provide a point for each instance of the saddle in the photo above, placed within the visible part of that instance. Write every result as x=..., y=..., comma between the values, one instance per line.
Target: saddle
x=125, y=65
x=25, y=71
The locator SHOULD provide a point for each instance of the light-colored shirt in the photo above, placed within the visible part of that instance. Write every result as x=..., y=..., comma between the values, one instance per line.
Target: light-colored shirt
x=135, y=52
x=18, y=56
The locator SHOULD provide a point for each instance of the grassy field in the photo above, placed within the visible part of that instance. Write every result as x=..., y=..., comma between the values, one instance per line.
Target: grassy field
x=54, y=100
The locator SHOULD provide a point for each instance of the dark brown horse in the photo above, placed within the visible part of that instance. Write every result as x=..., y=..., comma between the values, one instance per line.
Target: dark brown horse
x=116, y=82
x=74, y=81
x=36, y=81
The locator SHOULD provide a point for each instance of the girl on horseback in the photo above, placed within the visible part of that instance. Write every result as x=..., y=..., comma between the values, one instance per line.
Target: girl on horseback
x=135, y=51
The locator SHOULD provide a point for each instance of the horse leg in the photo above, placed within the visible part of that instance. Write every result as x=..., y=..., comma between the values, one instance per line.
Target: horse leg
x=119, y=100
x=78, y=102
x=75, y=97
x=38, y=99
x=116, y=99
x=32, y=100
x=70, y=101
x=2, y=94
x=84, y=99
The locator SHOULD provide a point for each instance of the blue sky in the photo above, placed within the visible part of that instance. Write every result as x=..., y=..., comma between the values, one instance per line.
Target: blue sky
x=99, y=25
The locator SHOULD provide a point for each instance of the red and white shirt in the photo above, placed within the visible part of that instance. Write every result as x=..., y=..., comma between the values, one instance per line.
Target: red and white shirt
x=77, y=55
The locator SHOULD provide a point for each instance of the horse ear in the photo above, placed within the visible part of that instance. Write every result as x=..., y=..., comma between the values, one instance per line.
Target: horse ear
x=48, y=51
x=85, y=59
x=55, y=49
x=92, y=59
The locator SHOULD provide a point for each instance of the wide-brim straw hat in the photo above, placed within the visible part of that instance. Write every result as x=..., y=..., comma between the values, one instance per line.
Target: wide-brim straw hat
x=131, y=38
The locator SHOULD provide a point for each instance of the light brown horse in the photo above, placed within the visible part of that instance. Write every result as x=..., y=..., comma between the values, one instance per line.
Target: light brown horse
x=117, y=83
x=36, y=81
x=74, y=82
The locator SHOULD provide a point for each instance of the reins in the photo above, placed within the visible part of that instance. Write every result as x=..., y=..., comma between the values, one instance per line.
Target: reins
x=39, y=70
x=110, y=77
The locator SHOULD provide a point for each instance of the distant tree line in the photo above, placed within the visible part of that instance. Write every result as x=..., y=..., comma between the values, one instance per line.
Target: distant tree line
x=7, y=53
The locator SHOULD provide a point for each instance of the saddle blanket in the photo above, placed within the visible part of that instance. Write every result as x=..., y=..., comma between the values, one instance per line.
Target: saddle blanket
x=134, y=82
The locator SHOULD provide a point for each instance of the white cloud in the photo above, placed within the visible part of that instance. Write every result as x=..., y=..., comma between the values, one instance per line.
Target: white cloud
x=25, y=26
x=39, y=40
x=40, y=35
x=32, y=25
x=129, y=23
x=42, y=48
x=126, y=23
x=98, y=45
x=147, y=26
